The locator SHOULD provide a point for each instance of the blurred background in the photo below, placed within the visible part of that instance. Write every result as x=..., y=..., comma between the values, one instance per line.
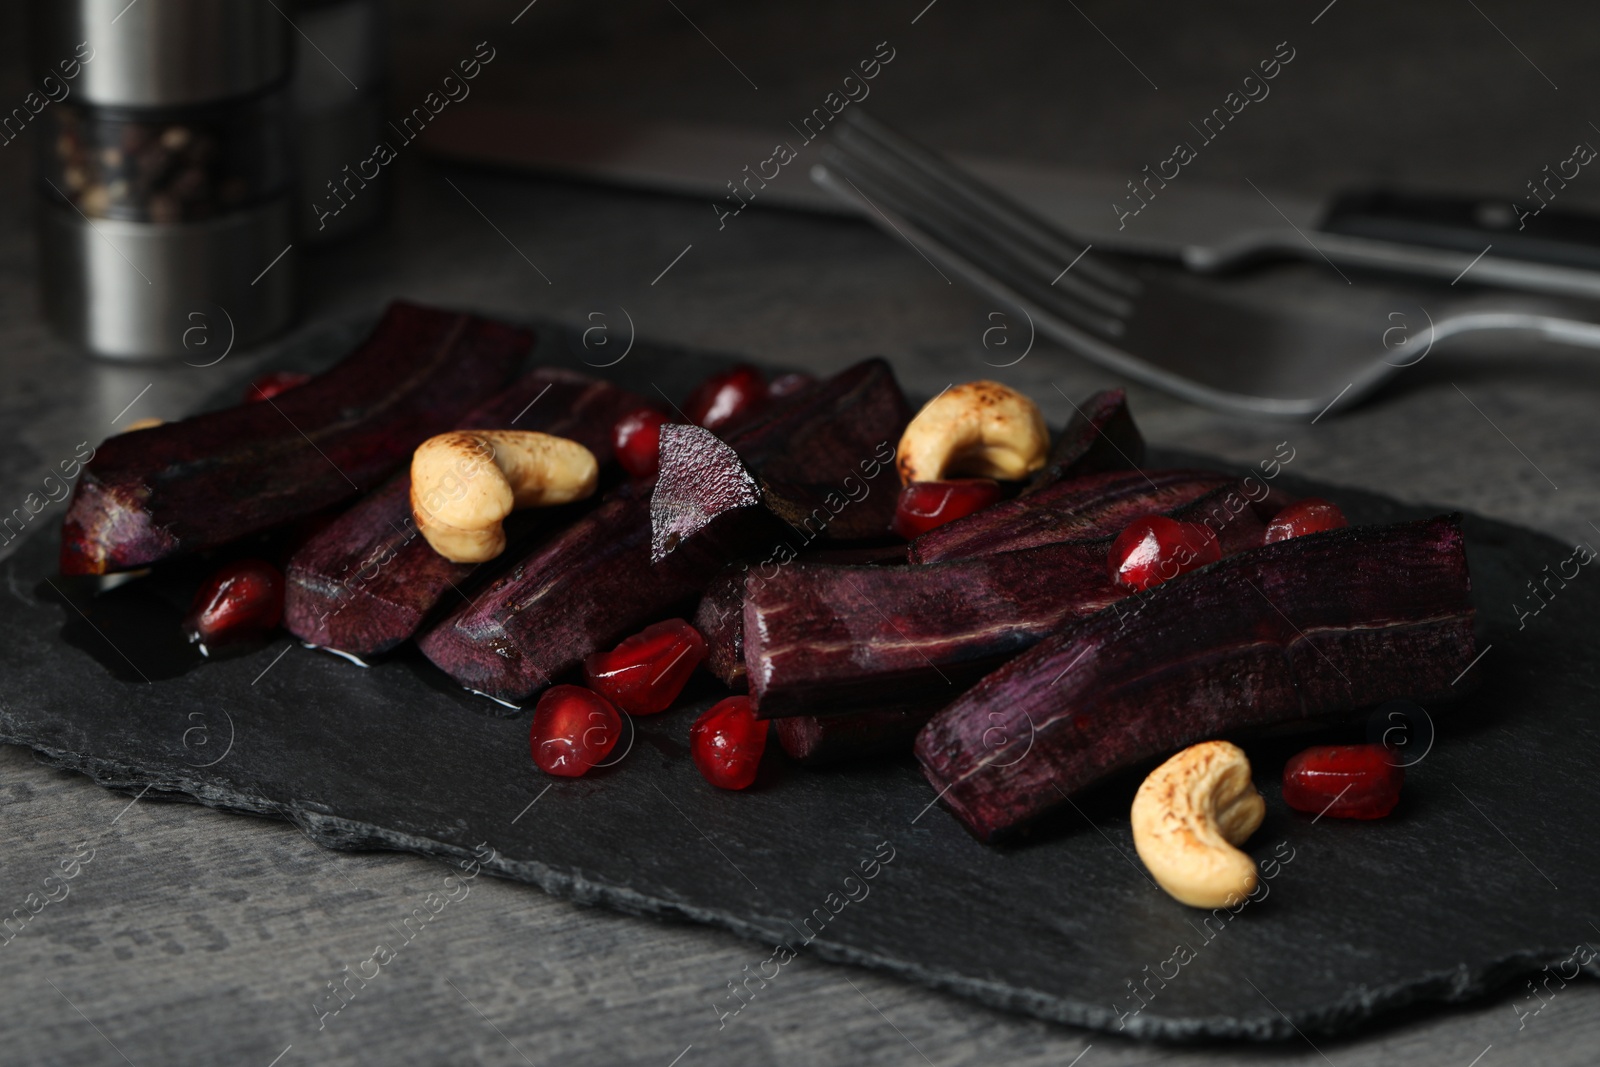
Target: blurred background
x=1439, y=96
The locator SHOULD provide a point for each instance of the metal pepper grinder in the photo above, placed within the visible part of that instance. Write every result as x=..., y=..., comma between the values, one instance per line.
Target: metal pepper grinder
x=164, y=174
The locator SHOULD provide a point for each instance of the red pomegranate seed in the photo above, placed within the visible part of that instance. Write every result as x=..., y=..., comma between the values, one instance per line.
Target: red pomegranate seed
x=636, y=439
x=726, y=397
x=241, y=602
x=727, y=742
x=1308, y=516
x=1156, y=549
x=924, y=505
x=573, y=729
x=1344, y=781
x=270, y=385
x=789, y=384
x=645, y=673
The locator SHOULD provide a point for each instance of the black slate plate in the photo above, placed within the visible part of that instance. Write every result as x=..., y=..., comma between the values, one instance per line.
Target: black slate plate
x=1484, y=873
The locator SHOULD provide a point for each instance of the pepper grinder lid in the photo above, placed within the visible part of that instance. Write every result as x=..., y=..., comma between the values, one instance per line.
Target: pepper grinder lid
x=165, y=53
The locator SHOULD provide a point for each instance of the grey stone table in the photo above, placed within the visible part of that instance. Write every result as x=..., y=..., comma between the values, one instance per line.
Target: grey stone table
x=197, y=937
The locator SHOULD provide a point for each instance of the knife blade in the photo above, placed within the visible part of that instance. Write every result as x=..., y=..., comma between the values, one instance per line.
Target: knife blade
x=1209, y=227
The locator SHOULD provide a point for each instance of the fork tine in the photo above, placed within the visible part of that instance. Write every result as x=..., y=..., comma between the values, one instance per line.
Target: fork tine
x=981, y=248
x=1012, y=216
x=1046, y=319
x=972, y=259
x=947, y=199
x=980, y=226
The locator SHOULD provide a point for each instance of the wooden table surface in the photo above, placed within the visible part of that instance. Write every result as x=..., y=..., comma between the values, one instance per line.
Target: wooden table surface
x=196, y=937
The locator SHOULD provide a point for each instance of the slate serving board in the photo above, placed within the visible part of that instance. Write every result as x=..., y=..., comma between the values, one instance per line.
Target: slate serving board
x=1485, y=872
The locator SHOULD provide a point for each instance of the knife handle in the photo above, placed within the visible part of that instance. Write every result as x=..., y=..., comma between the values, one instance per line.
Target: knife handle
x=1468, y=224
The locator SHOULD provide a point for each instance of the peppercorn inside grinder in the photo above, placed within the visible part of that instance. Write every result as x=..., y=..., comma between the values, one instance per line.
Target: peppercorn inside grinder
x=164, y=223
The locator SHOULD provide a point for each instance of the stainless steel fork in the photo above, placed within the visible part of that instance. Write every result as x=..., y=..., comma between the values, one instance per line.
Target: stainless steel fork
x=1292, y=342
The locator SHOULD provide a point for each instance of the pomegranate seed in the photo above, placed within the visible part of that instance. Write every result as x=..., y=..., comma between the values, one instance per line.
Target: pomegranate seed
x=241, y=602
x=924, y=505
x=1156, y=549
x=636, y=439
x=1344, y=781
x=789, y=384
x=645, y=673
x=1308, y=516
x=573, y=729
x=270, y=385
x=727, y=397
x=727, y=742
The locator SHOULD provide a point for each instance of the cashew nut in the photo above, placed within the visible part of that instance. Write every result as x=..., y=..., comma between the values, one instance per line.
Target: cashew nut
x=1187, y=818
x=464, y=484
x=974, y=430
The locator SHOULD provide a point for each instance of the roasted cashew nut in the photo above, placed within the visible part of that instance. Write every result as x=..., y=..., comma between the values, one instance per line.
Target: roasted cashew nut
x=464, y=484
x=974, y=430
x=1187, y=818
